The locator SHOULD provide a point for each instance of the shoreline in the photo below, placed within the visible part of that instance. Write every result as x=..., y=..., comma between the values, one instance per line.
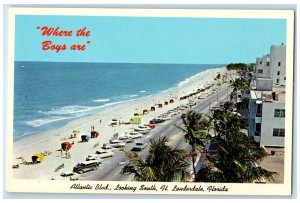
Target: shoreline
x=65, y=121
x=50, y=140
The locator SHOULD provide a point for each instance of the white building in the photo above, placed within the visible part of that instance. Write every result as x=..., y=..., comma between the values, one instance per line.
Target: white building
x=273, y=65
x=263, y=69
x=267, y=99
x=278, y=64
x=267, y=117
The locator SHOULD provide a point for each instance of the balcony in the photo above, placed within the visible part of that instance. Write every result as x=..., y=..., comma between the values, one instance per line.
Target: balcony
x=258, y=119
x=258, y=115
x=257, y=133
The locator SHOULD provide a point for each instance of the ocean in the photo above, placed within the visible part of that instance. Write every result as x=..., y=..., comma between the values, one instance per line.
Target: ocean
x=49, y=94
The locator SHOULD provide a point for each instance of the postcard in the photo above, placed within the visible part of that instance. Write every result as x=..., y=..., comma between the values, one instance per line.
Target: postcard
x=150, y=101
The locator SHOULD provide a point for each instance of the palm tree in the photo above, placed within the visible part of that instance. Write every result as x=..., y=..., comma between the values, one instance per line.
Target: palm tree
x=234, y=158
x=194, y=128
x=234, y=162
x=239, y=84
x=162, y=164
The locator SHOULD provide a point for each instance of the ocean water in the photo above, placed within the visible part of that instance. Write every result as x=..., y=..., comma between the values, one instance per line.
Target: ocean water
x=49, y=94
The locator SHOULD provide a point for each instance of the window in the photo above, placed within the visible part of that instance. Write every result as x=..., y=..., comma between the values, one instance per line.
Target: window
x=279, y=113
x=260, y=62
x=278, y=72
x=277, y=81
x=260, y=70
x=258, y=110
x=278, y=132
x=258, y=127
x=279, y=63
x=268, y=63
x=284, y=78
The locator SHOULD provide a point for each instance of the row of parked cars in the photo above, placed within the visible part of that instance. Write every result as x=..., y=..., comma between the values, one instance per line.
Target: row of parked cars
x=93, y=161
x=173, y=112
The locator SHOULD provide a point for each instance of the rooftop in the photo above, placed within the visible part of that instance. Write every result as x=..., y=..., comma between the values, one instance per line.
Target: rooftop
x=277, y=95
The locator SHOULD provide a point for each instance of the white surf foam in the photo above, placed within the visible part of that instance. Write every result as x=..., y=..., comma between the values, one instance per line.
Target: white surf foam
x=101, y=100
x=69, y=110
x=40, y=122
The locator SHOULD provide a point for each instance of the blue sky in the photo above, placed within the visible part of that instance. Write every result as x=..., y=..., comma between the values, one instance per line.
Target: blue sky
x=151, y=40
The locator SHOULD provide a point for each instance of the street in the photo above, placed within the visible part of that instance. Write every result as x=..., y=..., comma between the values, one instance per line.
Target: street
x=110, y=169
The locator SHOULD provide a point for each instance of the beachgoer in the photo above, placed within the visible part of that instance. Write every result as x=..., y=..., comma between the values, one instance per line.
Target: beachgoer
x=100, y=121
x=61, y=151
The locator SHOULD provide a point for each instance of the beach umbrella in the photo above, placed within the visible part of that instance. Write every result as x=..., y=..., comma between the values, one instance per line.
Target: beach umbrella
x=38, y=157
x=66, y=145
x=85, y=138
x=95, y=134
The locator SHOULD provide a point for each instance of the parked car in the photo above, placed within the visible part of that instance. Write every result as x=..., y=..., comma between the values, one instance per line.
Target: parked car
x=135, y=134
x=117, y=143
x=102, y=153
x=71, y=175
x=139, y=146
x=106, y=146
x=125, y=138
x=94, y=157
x=152, y=126
x=156, y=121
x=165, y=117
x=67, y=174
x=86, y=166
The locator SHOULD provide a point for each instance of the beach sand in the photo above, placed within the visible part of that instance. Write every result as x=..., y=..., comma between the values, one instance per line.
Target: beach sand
x=51, y=140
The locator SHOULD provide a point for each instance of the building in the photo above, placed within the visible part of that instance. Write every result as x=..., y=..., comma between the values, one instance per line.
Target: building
x=263, y=68
x=267, y=117
x=278, y=64
x=267, y=99
x=273, y=65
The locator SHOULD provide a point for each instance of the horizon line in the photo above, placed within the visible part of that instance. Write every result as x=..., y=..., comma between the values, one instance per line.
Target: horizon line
x=132, y=62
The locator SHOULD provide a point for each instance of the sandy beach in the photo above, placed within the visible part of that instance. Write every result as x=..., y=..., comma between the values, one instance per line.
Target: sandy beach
x=51, y=140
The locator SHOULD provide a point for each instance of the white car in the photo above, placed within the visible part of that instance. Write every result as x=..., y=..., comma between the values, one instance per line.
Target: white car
x=71, y=175
x=165, y=118
x=94, y=157
x=142, y=129
x=135, y=135
x=102, y=153
x=116, y=143
x=67, y=174
x=125, y=138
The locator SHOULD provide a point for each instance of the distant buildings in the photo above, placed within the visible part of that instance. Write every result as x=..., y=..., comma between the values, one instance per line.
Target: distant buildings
x=267, y=99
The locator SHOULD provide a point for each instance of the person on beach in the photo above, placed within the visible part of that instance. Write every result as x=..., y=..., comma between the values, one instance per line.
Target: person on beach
x=67, y=154
x=100, y=121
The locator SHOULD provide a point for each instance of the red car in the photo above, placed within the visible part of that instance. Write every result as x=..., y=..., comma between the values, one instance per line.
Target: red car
x=151, y=126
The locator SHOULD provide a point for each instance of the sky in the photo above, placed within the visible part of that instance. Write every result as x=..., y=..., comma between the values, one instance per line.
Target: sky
x=150, y=39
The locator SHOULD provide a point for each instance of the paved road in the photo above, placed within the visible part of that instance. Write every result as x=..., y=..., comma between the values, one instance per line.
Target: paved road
x=110, y=169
